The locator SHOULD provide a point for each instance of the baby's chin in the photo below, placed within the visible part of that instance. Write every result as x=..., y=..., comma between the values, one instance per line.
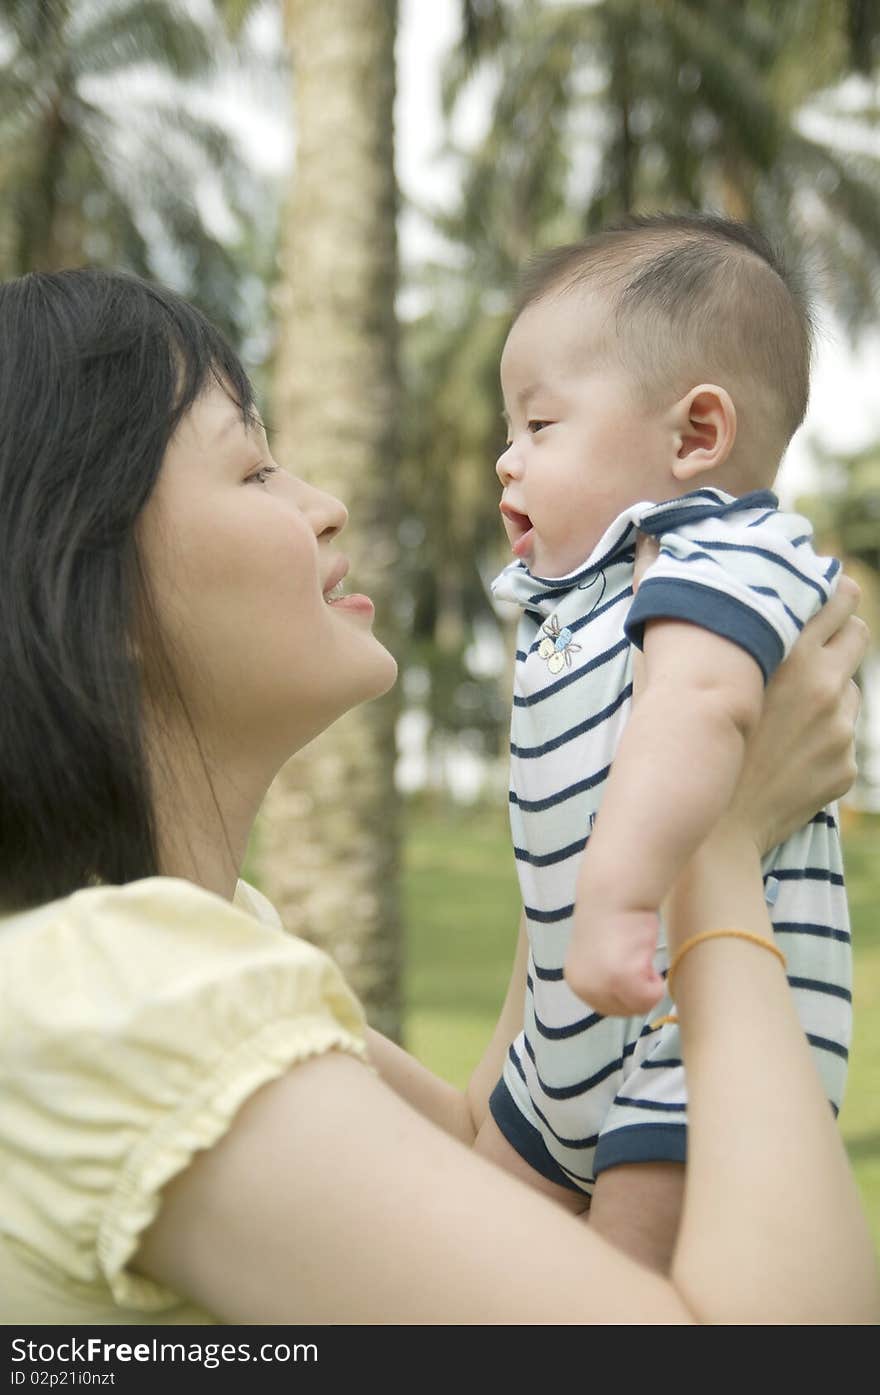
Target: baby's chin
x=552, y=566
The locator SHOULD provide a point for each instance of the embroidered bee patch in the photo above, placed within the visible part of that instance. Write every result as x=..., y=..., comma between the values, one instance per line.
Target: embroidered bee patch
x=556, y=650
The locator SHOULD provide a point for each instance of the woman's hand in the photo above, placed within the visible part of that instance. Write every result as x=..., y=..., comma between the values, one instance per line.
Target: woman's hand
x=802, y=754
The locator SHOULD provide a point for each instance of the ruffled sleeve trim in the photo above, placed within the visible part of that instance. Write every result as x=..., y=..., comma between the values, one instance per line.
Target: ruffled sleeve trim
x=198, y=1123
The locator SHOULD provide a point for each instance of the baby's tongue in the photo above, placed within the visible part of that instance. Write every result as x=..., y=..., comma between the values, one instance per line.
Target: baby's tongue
x=523, y=545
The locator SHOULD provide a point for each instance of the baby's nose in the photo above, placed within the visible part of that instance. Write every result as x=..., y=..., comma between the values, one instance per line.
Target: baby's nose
x=504, y=465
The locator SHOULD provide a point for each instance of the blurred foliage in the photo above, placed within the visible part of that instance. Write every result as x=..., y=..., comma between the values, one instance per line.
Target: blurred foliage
x=847, y=513
x=105, y=161
x=846, y=517
x=756, y=110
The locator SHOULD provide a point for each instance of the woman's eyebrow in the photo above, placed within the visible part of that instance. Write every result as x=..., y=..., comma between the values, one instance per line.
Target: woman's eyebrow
x=234, y=419
x=249, y=421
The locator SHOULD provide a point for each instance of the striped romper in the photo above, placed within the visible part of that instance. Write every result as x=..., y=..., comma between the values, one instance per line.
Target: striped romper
x=581, y=1092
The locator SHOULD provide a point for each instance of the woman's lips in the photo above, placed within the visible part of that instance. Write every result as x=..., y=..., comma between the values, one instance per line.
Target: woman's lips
x=335, y=575
x=357, y=603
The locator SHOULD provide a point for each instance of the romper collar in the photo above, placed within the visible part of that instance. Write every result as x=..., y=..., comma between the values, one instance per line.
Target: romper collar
x=517, y=584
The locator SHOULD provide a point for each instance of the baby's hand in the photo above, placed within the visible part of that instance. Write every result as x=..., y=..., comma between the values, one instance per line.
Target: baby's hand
x=610, y=961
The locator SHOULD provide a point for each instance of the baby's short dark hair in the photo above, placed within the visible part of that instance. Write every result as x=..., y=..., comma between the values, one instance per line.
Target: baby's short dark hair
x=696, y=297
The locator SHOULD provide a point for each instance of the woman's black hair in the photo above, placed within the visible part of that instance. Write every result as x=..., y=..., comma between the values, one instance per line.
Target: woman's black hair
x=97, y=369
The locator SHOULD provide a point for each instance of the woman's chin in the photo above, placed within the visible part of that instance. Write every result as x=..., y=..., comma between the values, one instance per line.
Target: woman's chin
x=386, y=673
x=369, y=679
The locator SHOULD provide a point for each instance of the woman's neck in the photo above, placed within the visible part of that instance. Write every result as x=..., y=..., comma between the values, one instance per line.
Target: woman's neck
x=204, y=818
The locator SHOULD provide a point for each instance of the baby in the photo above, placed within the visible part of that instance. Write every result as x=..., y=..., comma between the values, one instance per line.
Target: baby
x=652, y=379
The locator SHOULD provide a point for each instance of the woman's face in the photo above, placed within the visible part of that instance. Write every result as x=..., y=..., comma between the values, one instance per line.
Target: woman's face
x=241, y=557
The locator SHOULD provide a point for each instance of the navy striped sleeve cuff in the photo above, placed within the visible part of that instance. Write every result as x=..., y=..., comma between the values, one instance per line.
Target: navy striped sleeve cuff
x=671, y=598
x=640, y=1143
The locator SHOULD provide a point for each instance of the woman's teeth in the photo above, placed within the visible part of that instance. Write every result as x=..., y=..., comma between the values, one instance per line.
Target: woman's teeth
x=334, y=594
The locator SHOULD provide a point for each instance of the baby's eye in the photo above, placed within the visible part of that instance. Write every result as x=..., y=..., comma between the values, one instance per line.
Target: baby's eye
x=536, y=426
x=262, y=475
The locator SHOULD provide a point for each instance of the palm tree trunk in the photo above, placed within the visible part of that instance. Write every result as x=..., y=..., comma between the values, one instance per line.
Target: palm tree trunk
x=621, y=97
x=330, y=835
x=40, y=243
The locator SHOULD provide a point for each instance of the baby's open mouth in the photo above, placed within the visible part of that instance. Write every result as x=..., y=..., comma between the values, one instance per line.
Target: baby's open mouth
x=518, y=527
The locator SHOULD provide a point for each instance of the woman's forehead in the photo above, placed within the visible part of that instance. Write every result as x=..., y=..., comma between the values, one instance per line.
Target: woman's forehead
x=216, y=420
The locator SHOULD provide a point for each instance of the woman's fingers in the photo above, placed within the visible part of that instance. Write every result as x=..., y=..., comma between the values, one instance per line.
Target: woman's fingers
x=835, y=613
x=802, y=756
x=849, y=644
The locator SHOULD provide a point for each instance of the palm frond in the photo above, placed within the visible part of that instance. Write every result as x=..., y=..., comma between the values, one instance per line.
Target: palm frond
x=234, y=14
x=730, y=87
x=139, y=32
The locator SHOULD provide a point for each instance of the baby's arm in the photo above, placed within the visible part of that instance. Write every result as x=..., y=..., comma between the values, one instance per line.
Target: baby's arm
x=673, y=775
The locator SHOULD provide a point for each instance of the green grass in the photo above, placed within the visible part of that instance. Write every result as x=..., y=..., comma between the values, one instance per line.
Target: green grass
x=461, y=907
x=860, y=1116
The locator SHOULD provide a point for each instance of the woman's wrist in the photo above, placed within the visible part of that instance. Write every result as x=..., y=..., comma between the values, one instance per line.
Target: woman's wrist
x=721, y=885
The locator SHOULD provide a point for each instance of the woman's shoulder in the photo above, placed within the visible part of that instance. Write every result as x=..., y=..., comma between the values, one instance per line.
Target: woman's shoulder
x=112, y=918
x=160, y=948
x=137, y=1019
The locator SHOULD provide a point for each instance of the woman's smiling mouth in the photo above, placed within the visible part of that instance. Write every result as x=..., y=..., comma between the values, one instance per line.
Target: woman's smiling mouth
x=333, y=593
x=332, y=588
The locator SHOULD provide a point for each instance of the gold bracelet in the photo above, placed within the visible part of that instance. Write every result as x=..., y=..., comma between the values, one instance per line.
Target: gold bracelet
x=760, y=940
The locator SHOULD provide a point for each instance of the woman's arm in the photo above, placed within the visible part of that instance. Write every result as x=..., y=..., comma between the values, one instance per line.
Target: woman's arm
x=362, y=1211
x=434, y=1098
x=367, y=1213
x=787, y=1215
x=459, y=1114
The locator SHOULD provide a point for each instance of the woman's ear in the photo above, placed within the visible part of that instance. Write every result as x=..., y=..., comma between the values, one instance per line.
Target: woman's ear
x=705, y=430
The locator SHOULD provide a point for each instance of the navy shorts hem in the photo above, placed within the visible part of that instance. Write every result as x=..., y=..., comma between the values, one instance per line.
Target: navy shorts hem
x=639, y=1143
x=526, y=1139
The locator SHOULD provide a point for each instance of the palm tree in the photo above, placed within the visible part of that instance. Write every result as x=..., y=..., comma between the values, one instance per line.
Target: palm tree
x=605, y=108
x=100, y=152
x=329, y=841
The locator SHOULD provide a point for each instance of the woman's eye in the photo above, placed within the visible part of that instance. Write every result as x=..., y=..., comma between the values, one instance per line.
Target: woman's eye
x=536, y=426
x=262, y=475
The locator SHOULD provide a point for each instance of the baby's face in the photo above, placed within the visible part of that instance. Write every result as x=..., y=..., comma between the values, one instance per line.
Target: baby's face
x=582, y=443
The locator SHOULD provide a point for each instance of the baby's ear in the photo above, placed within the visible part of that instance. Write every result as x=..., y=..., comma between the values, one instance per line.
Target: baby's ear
x=705, y=430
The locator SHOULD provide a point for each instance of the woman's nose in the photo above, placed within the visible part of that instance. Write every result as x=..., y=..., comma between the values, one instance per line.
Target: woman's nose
x=327, y=514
